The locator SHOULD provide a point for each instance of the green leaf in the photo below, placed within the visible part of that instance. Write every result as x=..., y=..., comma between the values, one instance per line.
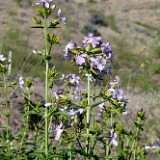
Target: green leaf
x=96, y=50
x=39, y=12
x=74, y=51
x=37, y=27
x=53, y=39
x=36, y=20
x=88, y=47
x=54, y=23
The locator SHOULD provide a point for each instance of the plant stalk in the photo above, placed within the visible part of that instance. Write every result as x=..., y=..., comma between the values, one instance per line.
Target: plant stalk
x=46, y=86
x=7, y=112
x=88, y=115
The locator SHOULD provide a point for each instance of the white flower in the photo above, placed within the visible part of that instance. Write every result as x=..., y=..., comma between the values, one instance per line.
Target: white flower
x=53, y=6
x=113, y=138
x=73, y=112
x=2, y=58
x=58, y=131
x=59, y=12
x=48, y=104
x=147, y=147
x=34, y=51
x=21, y=82
x=63, y=19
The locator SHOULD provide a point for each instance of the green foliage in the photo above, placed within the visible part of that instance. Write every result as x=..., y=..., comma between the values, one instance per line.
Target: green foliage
x=89, y=27
x=28, y=64
x=134, y=75
x=27, y=3
x=157, y=51
x=111, y=22
x=148, y=26
x=98, y=18
x=18, y=1
x=60, y=127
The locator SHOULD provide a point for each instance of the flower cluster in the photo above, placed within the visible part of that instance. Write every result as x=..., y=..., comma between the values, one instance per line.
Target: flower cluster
x=48, y=5
x=92, y=57
x=117, y=93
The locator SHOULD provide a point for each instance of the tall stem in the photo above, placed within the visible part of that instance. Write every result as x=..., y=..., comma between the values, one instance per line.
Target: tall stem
x=26, y=123
x=135, y=140
x=7, y=112
x=88, y=115
x=46, y=87
x=93, y=110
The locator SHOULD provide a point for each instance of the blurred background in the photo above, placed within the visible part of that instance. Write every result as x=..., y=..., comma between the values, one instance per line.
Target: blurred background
x=131, y=26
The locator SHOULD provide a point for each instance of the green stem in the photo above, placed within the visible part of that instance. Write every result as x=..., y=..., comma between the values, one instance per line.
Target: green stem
x=79, y=144
x=46, y=87
x=26, y=122
x=135, y=140
x=88, y=116
x=70, y=155
x=7, y=112
x=111, y=119
x=93, y=110
x=107, y=149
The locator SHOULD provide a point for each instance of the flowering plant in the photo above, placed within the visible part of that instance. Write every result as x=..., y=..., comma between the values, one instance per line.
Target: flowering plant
x=75, y=120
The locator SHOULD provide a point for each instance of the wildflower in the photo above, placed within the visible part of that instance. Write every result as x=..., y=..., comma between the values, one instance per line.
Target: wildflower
x=147, y=147
x=101, y=64
x=101, y=105
x=117, y=92
x=113, y=137
x=123, y=105
x=77, y=93
x=80, y=59
x=70, y=45
x=105, y=47
x=53, y=6
x=59, y=12
x=21, y=82
x=124, y=113
x=63, y=19
x=91, y=78
x=63, y=108
x=34, y=51
x=73, y=112
x=48, y=104
x=62, y=77
x=58, y=131
x=73, y=79
x=98, y=62
x=94, y=41
x=57, y=93
x=45, y=2
x=2, y=58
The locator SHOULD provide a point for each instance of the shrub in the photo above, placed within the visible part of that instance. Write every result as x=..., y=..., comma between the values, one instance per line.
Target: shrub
x=98, y=19
x=89, y=27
